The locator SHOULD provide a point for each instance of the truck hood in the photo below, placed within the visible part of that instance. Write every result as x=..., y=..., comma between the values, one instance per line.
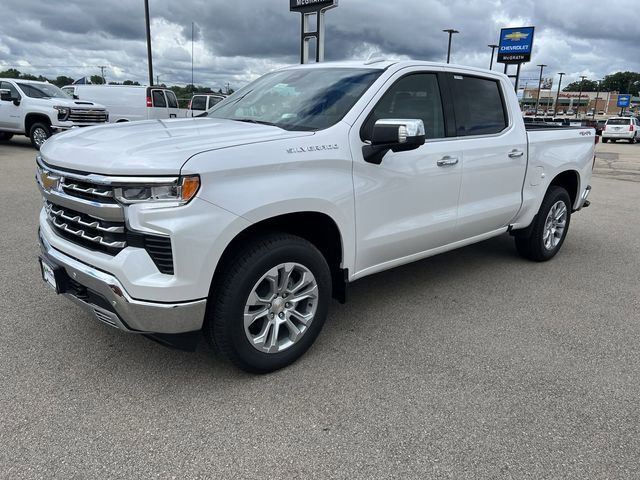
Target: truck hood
x=67, y=102
x=152, y=147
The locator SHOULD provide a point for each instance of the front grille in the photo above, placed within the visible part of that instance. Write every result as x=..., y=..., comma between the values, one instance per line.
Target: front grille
x=90, y=232
x=87, y=191
x=83, y=115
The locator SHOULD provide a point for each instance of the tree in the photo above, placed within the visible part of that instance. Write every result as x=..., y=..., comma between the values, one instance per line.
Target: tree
x=97, y=79
x=587, y=86
x=11, y=73
x=62, y=80
x=622, y=82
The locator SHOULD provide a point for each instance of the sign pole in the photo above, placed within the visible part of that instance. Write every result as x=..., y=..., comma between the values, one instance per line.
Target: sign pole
x=307, y=9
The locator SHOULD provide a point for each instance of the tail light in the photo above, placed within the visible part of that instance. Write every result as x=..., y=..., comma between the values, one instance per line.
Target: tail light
x=149, y=102
x=631, y=128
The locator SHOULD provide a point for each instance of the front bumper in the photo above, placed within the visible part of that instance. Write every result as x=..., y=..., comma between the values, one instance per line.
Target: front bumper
x=104, y=297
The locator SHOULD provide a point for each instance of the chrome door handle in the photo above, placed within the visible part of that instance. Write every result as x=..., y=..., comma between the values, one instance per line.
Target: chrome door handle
x=447, y=161
x=516, y=154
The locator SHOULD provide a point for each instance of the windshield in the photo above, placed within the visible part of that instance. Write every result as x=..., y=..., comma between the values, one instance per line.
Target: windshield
x=301, y=99
x=42, y=90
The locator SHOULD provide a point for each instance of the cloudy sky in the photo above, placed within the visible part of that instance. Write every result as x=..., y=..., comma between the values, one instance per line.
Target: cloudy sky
x=238, y=40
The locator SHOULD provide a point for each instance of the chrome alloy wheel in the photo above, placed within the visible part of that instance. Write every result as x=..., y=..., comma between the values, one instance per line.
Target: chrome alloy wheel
x=280, y=307
x=39, y=136
x=555, y=225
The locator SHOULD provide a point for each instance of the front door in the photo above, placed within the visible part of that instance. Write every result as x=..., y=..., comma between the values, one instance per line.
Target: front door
x=408, y=204
x=10, y=118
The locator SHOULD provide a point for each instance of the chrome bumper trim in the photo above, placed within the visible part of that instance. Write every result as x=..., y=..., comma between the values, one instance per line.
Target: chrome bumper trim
x=131, y=315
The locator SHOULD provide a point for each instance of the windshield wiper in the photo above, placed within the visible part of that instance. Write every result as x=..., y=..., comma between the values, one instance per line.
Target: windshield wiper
x=257, y=122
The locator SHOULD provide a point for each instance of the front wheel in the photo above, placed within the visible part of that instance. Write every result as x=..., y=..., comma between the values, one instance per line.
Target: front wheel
x=5, y=136
x=39, y=134
x=550, y=227
x=269, y=303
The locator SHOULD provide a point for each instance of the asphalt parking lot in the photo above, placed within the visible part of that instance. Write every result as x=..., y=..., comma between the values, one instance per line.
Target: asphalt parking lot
x=474, y=364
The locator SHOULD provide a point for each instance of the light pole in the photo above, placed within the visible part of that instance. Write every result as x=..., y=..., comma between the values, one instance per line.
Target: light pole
x=582, y=77
x=595, y=109
x=555, y=108
x=493, y=51
x=539, y=86
x=450, y=31
x=146, y=17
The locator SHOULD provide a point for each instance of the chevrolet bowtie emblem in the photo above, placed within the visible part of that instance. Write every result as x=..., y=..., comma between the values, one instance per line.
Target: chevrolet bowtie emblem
x=516, y=36
x=48, y=181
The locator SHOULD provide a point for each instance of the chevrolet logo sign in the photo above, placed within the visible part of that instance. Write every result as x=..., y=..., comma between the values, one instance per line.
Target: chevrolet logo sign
x=516, y=36
x=48, y=181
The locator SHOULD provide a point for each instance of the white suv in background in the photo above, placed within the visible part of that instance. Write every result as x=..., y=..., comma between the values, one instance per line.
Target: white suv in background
x=621, y=128
x=40, y=109
x=128, y=103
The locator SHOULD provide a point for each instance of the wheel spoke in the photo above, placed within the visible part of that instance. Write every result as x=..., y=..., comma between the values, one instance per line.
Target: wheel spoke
x=294, y=332
x=310, y=292
x=251, y=318
x=304, y=319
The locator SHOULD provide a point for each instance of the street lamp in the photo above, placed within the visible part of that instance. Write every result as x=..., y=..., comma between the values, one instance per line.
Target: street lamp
x=555, y=107
x=539, y=86
x=148, y=31
x=493, y=51
x=582, y=77
x=450, y=31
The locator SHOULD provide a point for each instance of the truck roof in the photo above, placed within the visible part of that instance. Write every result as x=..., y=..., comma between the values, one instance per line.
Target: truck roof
x=37, y=82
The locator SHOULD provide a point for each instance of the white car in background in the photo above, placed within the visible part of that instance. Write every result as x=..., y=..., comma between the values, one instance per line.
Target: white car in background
x=621, y=128
x=40, y=109
x=129, y=103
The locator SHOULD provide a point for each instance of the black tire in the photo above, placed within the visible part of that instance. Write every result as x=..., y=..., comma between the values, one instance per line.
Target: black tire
x=37, y=131
x=633, y=140
x=605, y=140
x=224, y=325
x=531, y=245
x=5, y=136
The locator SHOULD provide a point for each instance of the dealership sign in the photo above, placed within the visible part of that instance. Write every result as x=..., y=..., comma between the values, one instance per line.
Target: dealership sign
x=624, y=101
x=516, y=45
x=311, y=5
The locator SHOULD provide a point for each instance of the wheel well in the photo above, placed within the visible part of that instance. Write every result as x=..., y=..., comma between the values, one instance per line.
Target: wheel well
x=32, y=118
x=317, y=228
x=570, y=181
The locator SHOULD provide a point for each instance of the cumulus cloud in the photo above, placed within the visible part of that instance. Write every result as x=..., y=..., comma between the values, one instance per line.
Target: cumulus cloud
x=236, y=41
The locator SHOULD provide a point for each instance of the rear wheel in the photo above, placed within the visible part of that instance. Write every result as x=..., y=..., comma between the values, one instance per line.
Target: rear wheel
x=39, y=134
x=269, y=303
x=605, y=140
x=5, y=136
x=633, y=139
x=549, y=230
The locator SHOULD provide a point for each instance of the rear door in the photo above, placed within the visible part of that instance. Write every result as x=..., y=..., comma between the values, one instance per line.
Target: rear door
x=213, y=101
x=158, y=107
x=172, y=104
x=494, y=152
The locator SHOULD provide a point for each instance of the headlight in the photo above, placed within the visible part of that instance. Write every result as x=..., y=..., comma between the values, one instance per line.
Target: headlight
x=181, y=192
x=63, y=113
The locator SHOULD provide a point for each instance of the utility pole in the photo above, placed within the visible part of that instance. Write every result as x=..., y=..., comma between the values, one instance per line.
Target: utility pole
x=450, y=31
x=193, y=87
x=539, y=87
x=582, y=77
x=493, y=51
x=555, y=108
x=157, y=79
x=148, y=27
x=102, y=67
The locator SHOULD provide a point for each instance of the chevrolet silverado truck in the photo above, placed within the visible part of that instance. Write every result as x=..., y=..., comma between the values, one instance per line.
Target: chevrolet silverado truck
x=242, y=225
x=40, y=109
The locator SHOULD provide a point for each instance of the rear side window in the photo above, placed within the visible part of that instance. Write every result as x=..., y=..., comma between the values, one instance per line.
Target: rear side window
x=171, y=99
x=416, y=96
x=199, y=103
x=478, y=106
x=158, y=98
x=214, y=101
x=619, y=121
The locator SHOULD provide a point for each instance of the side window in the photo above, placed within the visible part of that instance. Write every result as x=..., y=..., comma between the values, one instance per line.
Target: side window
x=11, y=88
x=416, y=96
x=214, y=101
x=478, y=106
x=199, y=103
x=171, y=99
x=158, y=98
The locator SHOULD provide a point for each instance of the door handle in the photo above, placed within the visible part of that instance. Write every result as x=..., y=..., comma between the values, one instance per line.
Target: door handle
x=447, y=161
x=516, y=154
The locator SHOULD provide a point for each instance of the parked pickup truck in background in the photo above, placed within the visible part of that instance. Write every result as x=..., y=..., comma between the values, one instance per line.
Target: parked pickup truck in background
x=40, y=109
x=245, y=223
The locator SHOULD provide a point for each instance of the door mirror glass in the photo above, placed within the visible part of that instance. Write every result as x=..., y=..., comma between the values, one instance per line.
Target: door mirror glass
x=5, y=95
x=397, y=135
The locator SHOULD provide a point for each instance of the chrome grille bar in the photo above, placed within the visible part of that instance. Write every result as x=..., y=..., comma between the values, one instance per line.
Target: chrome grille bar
x=82, y=234
x=60, y=213
x=104, y=193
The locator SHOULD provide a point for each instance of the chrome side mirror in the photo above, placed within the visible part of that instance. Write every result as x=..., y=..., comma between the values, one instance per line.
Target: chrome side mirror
x=397, y=135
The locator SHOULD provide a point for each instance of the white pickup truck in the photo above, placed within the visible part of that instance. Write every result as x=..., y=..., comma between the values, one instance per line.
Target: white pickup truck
x=40, y=109
x=245, y=223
